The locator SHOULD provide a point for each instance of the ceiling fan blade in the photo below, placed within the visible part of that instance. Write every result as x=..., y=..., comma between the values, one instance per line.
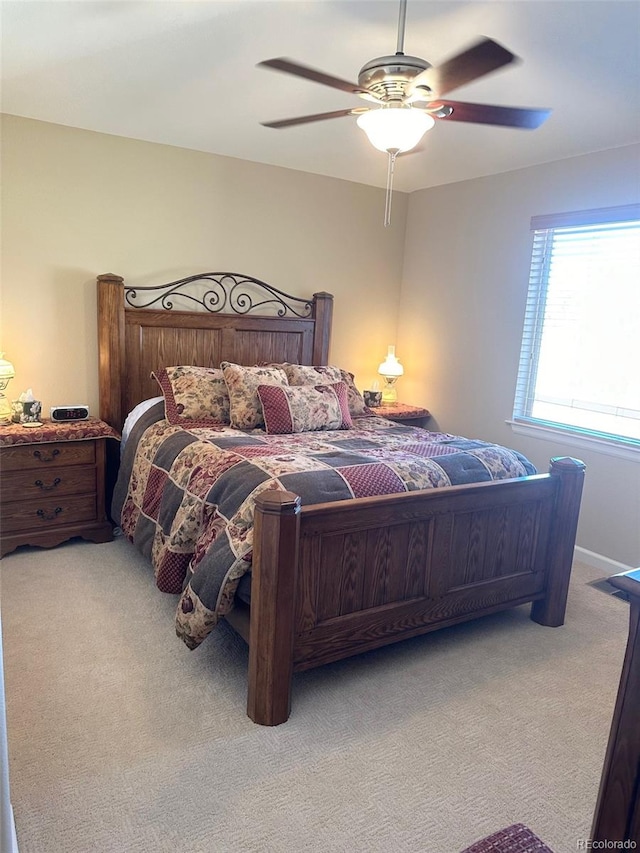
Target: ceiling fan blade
x=487, y=114
x=288, y=66
x=289, y=122
x=480, y=59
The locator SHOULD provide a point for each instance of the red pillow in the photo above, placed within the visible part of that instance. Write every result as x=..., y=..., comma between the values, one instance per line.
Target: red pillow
x=304, y=408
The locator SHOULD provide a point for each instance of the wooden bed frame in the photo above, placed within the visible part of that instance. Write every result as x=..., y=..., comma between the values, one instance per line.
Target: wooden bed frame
x=337, y=579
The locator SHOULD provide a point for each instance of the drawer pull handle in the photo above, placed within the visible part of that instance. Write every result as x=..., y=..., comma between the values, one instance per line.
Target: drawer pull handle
x=41, y=514
x=44, y=488
x=38, y=455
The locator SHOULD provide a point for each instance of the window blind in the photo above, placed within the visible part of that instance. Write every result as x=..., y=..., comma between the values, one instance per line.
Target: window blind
x=580, y=356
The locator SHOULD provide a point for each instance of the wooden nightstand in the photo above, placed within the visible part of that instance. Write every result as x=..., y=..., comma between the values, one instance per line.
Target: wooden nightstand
x=402, y=413
x=52, y=481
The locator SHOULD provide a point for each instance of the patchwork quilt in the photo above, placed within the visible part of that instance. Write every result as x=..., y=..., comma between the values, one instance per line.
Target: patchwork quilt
x=185, y=497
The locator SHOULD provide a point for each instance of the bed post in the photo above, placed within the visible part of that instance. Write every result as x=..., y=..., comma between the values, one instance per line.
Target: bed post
x=550, y=610
x=111, y=347
x=273, y=582
x=322, y=312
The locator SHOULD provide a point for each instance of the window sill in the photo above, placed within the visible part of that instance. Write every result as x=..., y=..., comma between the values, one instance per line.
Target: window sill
x=599, y=445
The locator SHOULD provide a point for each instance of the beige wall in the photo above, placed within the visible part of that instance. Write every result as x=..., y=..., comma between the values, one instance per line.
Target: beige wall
x=76, y=204
x=465, y=281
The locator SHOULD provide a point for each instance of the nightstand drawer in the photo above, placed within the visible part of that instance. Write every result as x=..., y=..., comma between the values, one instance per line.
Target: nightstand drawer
x=48, y=454
x=51, y=482
x=48, y=512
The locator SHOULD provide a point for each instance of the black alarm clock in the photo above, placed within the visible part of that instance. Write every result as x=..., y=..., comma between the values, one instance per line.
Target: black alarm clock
x=69, y=413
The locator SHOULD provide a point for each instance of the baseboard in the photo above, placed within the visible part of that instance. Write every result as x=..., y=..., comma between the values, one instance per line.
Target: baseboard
x=14, y=837
x=8, y=837
x=606, y=564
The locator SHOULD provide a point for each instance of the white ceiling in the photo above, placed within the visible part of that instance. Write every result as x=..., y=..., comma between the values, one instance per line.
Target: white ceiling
x=184, y=73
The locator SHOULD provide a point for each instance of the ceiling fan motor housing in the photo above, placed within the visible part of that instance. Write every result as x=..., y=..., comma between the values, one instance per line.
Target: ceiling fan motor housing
x=389, y=76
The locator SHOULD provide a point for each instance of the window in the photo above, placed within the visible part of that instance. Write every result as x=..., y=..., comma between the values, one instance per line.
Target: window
x=580, y=358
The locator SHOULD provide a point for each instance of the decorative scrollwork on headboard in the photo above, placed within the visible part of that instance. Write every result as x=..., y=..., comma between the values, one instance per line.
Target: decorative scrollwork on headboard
x=220, y=292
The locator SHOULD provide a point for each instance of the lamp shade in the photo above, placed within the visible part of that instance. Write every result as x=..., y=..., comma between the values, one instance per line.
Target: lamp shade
x=6, y=375
x=395, y=128
x=7, y=371
x=391, y=367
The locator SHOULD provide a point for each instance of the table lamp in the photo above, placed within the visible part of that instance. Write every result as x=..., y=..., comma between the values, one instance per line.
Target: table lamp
x=6, y=375
x=390, y=369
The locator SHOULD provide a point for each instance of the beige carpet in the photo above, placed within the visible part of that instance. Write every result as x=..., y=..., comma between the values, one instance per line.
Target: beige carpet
x=122, y=740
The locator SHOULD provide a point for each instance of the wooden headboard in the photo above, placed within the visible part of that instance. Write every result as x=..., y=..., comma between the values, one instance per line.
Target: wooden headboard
x=238, y=318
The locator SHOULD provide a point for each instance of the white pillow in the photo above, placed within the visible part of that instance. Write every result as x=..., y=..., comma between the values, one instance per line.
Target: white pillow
x=133, y=416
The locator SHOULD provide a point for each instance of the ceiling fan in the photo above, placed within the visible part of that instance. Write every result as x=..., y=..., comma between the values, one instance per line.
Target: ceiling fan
x=407, y=95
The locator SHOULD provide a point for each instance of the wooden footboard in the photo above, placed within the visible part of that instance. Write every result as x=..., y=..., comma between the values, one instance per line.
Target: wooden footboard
x=334, y=580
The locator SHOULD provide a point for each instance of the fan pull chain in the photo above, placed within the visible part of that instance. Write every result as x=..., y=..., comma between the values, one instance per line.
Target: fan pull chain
x=393, y=153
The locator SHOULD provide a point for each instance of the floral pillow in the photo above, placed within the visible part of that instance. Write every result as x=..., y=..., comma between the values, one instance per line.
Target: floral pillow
x=242, y=385
x=357, y=405
x=194, y=395
x=304, y=408
x=301, y=374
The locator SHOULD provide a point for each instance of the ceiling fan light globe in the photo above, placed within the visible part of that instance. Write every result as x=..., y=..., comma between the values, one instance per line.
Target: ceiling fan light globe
x=395, y=128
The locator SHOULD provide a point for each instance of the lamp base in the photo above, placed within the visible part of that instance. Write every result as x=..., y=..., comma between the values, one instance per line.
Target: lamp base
x=389, y=392
x=5, y=410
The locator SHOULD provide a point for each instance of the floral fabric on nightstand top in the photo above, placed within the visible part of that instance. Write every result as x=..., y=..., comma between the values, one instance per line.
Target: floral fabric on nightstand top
x=402, y=411
x=12, y=434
